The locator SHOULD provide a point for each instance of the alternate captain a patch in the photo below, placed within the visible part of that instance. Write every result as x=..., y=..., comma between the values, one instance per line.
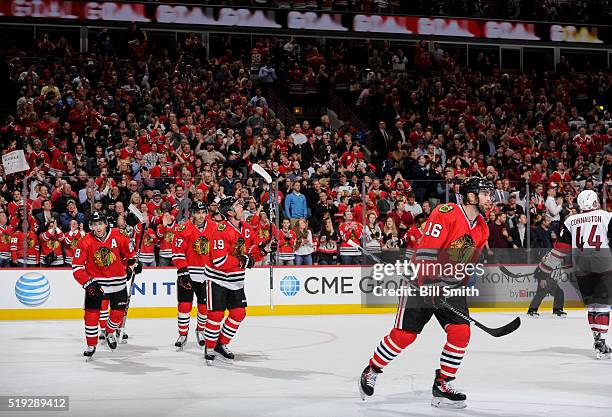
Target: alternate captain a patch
x=446, y=208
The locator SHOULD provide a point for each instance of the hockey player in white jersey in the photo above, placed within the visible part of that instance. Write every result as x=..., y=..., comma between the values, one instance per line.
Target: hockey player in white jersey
x=586, y=236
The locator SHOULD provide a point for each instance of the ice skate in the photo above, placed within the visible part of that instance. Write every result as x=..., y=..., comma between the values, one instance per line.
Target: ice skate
x=111, y=341
x=224, y=351
x=602, y=351
x=367, y=380
x=559, y=313
x=89, y=352
x=444, y=394
x=102, y=335
x=122, y=337
x=209, y=356
x=200, y=337
x=533, y=314
x=180, y=342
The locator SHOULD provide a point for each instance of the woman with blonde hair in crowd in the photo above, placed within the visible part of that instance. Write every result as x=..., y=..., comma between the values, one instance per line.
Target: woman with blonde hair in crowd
x=304, y=245
x=372, y=232
x=136, y=199
x=391, y=240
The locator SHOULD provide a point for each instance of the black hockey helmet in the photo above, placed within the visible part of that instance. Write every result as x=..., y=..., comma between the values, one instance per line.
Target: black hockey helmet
x=98, y=216
x=226, y=204
x=474, y=185
x=198, y=206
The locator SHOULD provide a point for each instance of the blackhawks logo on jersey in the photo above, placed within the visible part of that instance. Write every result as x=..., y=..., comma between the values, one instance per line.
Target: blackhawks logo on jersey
x=104, y=257
x=221, y=227
x=180, y=228
x=168, y=236
x=5, y=238
x=446, y=208
x=148, y=240
x=124, y=232
x=201, y=246
x=74, y=243
x=462, y=249
x=52, y=244
x=239, y=247
x=263, y=233
x=31, y=243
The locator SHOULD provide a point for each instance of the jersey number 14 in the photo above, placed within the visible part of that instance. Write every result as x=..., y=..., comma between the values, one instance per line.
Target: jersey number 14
x=594, y=240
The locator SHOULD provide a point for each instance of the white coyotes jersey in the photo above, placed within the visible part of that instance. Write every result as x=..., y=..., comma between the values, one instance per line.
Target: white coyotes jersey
x=589, y=230
x=590, y=240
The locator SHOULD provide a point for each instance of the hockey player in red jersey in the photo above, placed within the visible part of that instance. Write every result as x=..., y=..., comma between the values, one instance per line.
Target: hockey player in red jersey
x=453, y=233
x=99, y=265
x=586, y=236
x=234, y=249
x=191, y=254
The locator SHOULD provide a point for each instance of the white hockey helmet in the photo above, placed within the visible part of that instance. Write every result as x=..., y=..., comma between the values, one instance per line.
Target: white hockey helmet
x=588, y=200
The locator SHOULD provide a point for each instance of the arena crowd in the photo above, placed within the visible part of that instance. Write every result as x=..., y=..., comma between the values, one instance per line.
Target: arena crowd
x=132, y=123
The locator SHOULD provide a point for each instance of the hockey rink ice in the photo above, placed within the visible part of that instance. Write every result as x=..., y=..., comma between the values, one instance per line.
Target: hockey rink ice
x=307, y=366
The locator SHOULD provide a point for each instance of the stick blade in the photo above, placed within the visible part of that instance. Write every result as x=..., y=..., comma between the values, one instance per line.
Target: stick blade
x=504, y=330
x=259, y=170
x=141, y=217
x=353, y=244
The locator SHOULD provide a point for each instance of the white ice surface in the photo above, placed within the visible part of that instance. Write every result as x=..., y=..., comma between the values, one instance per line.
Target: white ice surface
x=307, y=366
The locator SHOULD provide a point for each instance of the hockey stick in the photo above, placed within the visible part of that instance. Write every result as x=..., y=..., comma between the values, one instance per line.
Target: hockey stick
x=258, y=169
x=131, y=275
x=511, y=274
x=495, y=332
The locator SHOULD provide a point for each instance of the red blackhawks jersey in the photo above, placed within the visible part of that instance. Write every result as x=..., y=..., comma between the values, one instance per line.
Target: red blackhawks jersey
x=5, y=241
x=71, y=240
x=286, y=245
x=229, y=243
x=165, y=234
x=147, y=250
x=103, y=260
x=350, y=232
x=449, y=238
x=32, y=248
x=52, y=243
x=191, y=248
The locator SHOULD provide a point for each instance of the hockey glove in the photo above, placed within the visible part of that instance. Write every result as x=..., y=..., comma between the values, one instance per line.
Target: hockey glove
x=183, y=279
x=433, y=293
x=268, y=247
x=246, y=261
x=135, y=266
x=93, y=289
x=273, y=245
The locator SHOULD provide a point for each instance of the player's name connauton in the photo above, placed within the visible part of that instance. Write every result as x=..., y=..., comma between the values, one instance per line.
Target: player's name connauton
x=426, y=291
